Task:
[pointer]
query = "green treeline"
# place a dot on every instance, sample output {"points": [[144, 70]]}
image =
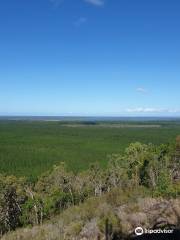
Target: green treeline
{"points": [[154, 168]]}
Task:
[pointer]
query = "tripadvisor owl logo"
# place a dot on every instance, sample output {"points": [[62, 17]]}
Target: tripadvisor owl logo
{"points": [[139, 231]]}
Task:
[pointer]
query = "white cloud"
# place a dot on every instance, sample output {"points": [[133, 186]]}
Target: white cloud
{"points": [[99, 3], [141, 90], [174, 110], [95, 2], [152, 110], [142, 110], [80, 21]]}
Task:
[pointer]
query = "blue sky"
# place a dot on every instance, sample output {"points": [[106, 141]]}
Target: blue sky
{"points": [[90, 57]]}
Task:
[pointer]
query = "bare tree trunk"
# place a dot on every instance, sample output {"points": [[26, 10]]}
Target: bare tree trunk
{"points": [[35, 206]]}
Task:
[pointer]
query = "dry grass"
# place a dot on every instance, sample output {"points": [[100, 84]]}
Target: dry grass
{"points": [[87, 220]]}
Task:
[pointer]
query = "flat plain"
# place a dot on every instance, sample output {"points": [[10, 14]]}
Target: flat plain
{"points": [[29, 148]]}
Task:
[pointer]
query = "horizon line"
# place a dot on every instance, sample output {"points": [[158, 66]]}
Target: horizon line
{"points": [[97, 116]]}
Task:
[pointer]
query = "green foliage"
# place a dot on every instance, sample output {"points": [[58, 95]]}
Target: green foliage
{"points": [[57, 202], [32, 211], [31, 148], [143, 170], [12, 195], [112, 221]]}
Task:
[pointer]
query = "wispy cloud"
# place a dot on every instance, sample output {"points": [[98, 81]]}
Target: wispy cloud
{"points": [[141, 90], [95, 2], [80, 21], [152, 110], [174, 110], [143, 110], [56, 3]]}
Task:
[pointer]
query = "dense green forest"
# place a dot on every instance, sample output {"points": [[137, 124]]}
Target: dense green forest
{"points": [[29, 148]]}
